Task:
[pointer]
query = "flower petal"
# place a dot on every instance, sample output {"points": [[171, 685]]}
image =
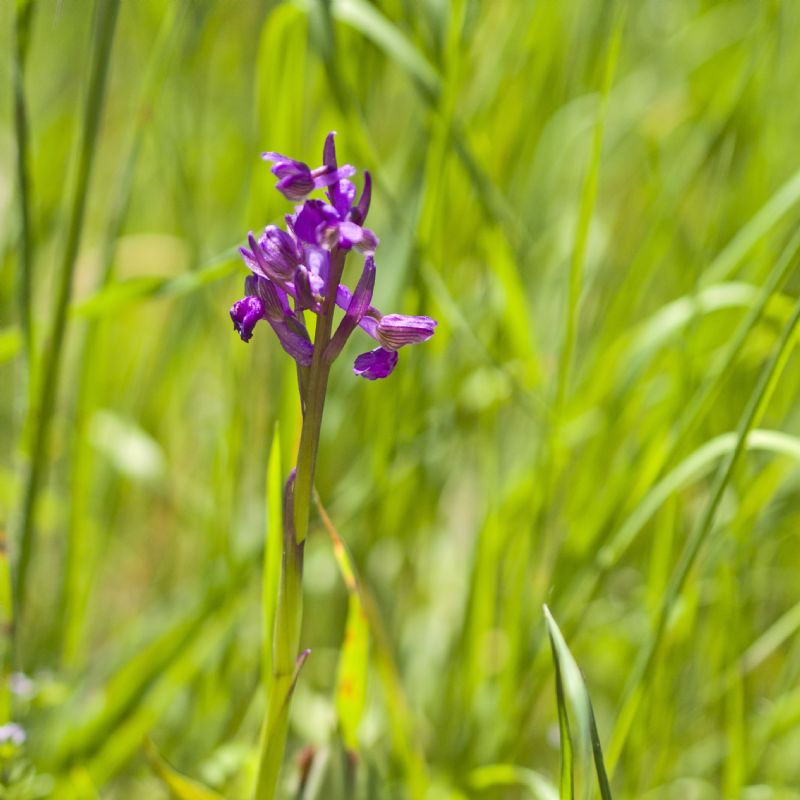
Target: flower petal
{"points": [[304, 291], [281, 253], [276, 304], [368, 242], [245, 313], [396, 330], [295, 179], [341, 194], [375, 364], [329, 151], [294, 339], [359, 213], [356, 308], [350, 235], [313, 217]]}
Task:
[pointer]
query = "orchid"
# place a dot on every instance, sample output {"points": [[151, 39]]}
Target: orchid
{"points": [[294, 271], [296, 263]]}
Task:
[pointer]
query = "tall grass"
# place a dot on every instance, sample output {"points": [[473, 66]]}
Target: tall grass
{"points": [[602, 216]]}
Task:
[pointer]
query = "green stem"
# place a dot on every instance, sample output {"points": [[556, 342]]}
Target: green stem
{"points": [[286, 659], [315, 403], [285, 663], [22, 28], [106, 12]]}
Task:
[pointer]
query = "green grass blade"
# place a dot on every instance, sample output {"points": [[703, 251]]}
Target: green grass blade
{"points": [[753, 411], [351, 681], [494, 775], [367, 19], [23, 11], [272, 556], [751, 234], [48, 381], [181, 787], [586, 211], [571, 686]]}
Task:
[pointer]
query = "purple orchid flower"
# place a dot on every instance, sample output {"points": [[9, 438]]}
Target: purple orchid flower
{"points": [[337, 223], [264, 300], [297, 264], [296, 180]]}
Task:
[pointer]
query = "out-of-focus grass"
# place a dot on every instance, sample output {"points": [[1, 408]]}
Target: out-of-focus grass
{"points": [[469, 488]]}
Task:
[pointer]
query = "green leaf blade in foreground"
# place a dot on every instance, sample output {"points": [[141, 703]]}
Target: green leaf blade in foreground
{"points": [[571, 687]]}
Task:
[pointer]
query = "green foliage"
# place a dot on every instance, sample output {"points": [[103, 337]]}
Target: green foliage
{"points": [[600, 204]]}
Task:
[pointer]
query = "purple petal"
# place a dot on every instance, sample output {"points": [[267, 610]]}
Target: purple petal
{"points": [[296, 187], [329, 151], [375, 364], [245, 313], [368, 323], [318, 261], [295, 179], [276, 304], [341, 194], [368, 242], [350, 235], [356, 308], [396, 330], [313, 217], [323, 177], [304, 292], [359, 213], [281, 253], [294, 339]]}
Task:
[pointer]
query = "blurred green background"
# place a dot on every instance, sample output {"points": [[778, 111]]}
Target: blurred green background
{"points": [[597, 201]]}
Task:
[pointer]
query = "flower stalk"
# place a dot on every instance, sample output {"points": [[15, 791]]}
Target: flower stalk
{"points": [[315, 403], [295, 271]]}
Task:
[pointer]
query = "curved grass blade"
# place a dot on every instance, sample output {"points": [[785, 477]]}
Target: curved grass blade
{"points": [[365, 18], [351, 682], [753, 411], [494, 775], [570, 684], [181, 787], [765, 219]]}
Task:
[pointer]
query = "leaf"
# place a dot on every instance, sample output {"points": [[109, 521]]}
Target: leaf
{"points": [[351, 682], [512, 775], [365, 18], [272, 554], [181, 787], [765, 219], [571, 687]]}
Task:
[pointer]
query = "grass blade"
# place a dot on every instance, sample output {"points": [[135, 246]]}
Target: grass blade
{"points": [[570, 684], [22, 30], [105, 23], [588, 196], [272, 556], [753, 411], [181, 787], [493, 775]]}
